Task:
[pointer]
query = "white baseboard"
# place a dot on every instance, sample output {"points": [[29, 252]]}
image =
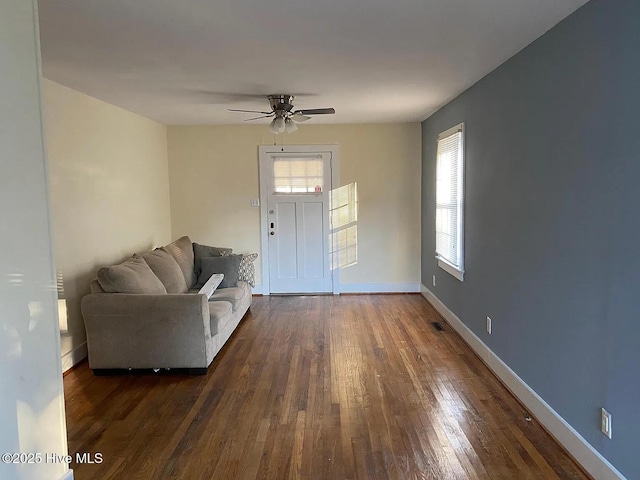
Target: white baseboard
{"points": [[587, 456], [364, 288], [68, 475], [379, 288], [74, 357]]}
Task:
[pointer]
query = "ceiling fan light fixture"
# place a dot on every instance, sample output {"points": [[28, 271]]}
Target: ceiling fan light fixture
{"points": [[290, 125], [277, 125]]}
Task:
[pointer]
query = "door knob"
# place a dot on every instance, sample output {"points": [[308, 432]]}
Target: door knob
{"points": [[272, 233]]}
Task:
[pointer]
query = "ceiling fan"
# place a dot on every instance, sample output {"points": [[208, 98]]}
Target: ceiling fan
{"points": [[285, 117]]}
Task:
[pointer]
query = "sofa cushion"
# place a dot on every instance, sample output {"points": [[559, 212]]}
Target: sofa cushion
{"points": [[232, 295], [227, 265], [219, 315], [182, 252], [132, 276], [201, 251], [166, 269]]}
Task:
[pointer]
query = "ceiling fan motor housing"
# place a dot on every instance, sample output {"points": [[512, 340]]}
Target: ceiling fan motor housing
{"points": [[281, 103]]}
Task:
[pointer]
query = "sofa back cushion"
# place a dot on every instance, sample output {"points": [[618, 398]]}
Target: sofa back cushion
{"points": [[166, 269], [132, 276], [202, 251], [227, 265], [182, 252]]}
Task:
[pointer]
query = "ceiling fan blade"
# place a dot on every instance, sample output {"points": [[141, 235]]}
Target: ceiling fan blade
{"points": [[257, 118], [248, 111], [298, 117], [316, 111]]}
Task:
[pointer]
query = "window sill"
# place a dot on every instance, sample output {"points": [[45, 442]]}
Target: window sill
{"points": [[450, 269]]}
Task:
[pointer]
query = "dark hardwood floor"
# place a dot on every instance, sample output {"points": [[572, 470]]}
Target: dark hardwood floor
{"points": [[320, 387]]}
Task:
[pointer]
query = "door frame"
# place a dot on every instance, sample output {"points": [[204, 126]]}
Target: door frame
{"points": [[264, 151]]}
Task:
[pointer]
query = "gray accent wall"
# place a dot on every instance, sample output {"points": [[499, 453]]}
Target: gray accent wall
{"points": [[552, 227]]}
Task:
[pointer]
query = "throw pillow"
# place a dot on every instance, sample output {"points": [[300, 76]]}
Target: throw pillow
{"points": [[247, 270], [227, 265], [132, 276], [202, 251], [182, 252], [166, 269]]}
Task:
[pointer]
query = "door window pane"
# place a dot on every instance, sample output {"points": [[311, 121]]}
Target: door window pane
{"points": [[297, 175]]}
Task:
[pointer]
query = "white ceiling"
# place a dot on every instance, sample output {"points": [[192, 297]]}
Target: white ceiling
{"points": [[187, 61]]}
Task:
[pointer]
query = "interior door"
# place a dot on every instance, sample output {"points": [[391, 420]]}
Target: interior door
{"points": [[298, 189]]}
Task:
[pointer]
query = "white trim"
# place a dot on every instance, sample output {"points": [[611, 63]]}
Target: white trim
{"points": [[263, 151], [361, 288], [451, 131], [74, 357], [450, 269], [380, 288], [587, 456], [68, 475]]}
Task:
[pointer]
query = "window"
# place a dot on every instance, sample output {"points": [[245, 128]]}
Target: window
{"points": [[298, 175], [344, 226], [450, 201]]}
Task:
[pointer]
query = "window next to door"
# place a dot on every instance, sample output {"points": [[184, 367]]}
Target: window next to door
{"points": [[344, 226], [450, 201]]}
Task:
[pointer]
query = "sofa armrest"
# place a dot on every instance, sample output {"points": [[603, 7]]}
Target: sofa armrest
{"points": [[147, 331]]}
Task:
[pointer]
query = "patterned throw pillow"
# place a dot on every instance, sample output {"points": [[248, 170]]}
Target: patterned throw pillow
{"points": [[247, 270]]}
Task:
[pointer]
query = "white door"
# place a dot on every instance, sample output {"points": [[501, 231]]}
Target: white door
{"points": [[297, 221]]}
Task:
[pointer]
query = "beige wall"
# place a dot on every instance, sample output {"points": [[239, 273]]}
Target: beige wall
{"points": [[109, 191], [214, 174]]}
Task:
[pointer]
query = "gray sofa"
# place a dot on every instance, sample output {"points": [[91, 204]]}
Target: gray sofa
{"points": [[161, 322]]}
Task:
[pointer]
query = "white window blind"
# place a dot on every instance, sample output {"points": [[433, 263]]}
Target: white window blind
{"points": [[298, 175], [450, 200]]}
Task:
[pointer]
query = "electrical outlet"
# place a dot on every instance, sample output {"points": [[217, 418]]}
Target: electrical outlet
{"points": [[605, 422], [434, 280], [255, 202], [489, 325]]}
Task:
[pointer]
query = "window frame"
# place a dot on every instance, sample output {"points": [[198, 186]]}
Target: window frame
{"points": [[457, 271]]}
